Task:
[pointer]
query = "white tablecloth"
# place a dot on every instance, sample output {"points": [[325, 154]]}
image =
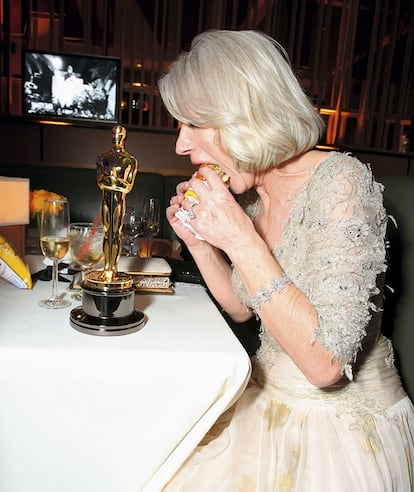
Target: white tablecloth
{"points": [[83, 413]]}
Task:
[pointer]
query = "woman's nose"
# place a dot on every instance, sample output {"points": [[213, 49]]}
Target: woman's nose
{"points": [[183, 145]]}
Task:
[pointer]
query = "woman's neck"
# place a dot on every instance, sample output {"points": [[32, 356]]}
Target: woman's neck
{"points": [[278, 189], [285, 177]]}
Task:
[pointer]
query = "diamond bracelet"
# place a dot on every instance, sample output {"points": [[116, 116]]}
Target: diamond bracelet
{"points": [[264, 295]]}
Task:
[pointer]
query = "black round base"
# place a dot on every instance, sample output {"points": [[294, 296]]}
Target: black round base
{"points": [[106, 327]]}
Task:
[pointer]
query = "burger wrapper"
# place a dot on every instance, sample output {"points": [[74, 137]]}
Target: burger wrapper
{"points": [[190, 195], [182, 214]]}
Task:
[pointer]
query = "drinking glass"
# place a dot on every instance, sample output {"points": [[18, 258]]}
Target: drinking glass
{"points": [[150, 222], [131, 229], [85, 247], [54, 243]]}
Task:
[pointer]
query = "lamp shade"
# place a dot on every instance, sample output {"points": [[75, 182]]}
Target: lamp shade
{"points": [[14, 201]]}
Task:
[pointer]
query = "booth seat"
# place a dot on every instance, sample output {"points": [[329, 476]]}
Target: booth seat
{"points": [[80, 187], [398, 316]]}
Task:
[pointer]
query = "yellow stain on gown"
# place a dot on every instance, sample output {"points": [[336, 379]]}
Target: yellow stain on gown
{"points": [[276, 414]]}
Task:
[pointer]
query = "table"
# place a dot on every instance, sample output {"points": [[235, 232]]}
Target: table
{"points": [[83, 413]]}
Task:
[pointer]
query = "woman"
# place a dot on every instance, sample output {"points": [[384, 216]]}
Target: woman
{"points": [[325, 410]]}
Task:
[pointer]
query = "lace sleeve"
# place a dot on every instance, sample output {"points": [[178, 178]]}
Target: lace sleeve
{"points": [[348, 252]]}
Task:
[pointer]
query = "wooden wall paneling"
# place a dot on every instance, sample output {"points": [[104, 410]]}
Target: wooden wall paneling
{"points": [[321, 51], [388, 44], [404, 105], [316, 54], [324, 68], [292, 32], [16, 236], [367, 88], [377, 90]]}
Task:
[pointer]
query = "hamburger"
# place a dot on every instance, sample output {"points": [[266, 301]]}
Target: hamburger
{"points": [[192, 196]]}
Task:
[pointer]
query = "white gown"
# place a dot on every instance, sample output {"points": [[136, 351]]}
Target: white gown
{"points": [[284, 434]]}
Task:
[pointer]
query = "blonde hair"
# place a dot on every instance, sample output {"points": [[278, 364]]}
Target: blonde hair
{"points": [[241, 84]]}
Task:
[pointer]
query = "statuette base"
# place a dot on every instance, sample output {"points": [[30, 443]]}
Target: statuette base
{"points": [[107, 312], [93, 326]]}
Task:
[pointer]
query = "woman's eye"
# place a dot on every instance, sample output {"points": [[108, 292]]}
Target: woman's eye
{"points": [[180, 124]]}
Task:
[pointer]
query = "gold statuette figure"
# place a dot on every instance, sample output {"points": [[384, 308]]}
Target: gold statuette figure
{"points": [[116, 171], [108, 295]]}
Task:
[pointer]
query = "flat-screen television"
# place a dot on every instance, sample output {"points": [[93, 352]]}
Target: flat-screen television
{"points": [[71, 87]]}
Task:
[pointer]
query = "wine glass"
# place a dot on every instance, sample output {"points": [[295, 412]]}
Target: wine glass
{"points": [[150, 222], [54, 243], [131, 229], [85, 247]]}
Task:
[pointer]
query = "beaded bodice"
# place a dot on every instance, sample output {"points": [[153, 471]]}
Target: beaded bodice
{"points": [[333, 249]]}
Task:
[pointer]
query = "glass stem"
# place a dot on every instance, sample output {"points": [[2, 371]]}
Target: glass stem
{"points": [[149, 247], [55, 274]]}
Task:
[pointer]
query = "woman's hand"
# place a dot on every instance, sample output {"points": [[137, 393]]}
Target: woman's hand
{"points": [[219, 219], [179, 228], [212, 264]]}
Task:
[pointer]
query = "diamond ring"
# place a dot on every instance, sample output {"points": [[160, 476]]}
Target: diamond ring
{"points": [[191, 213]]}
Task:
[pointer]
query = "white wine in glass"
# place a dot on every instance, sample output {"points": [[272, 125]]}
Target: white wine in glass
{"points": [[150, 222], [54, 243]]}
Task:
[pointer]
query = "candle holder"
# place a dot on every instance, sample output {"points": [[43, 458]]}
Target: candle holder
{"points": [[108, 295]]}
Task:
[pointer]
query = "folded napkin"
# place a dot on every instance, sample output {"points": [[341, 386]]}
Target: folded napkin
{"points": [[46, 273], [144, 266]]}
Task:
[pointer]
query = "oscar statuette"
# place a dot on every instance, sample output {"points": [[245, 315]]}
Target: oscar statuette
{"points": [[108, 295]]}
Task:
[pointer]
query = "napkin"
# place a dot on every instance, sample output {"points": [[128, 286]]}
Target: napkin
{"points": [[46, 273], [144, 266]]}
